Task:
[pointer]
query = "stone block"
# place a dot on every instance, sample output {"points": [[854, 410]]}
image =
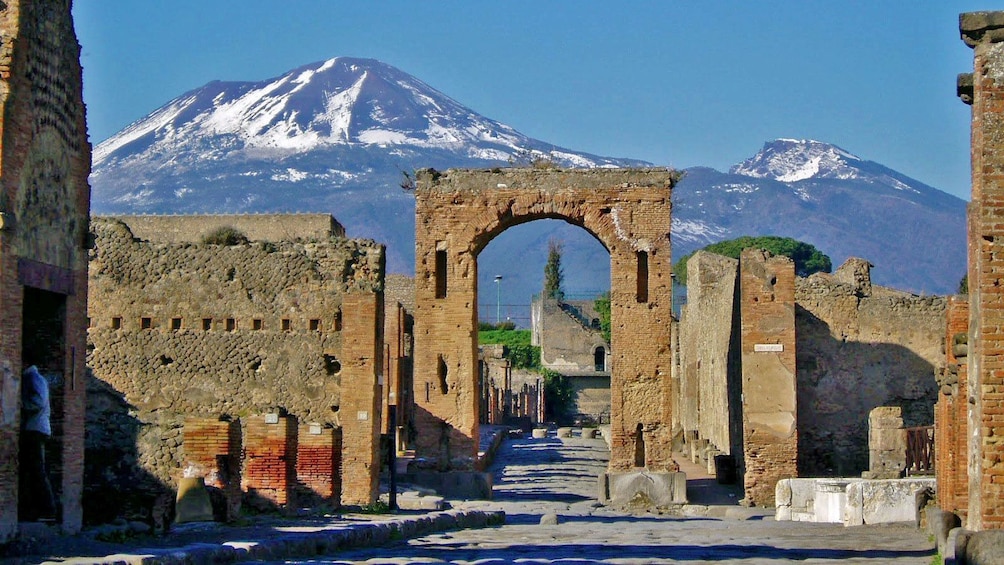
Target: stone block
{"points": [[539, 433], [643, 489], [468, 485], [939, 524], [831, 500], [984, 548], [794, 500], [880, 502], [193, 504], [564, 432]]}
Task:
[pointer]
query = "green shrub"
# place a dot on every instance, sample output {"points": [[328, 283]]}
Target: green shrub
{"points": [[225, 235]]}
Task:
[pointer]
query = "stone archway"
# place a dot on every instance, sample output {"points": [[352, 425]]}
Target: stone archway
{"points": [[459, 212]]}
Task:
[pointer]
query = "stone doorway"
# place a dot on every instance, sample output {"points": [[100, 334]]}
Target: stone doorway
{"points": [[458, 213]]}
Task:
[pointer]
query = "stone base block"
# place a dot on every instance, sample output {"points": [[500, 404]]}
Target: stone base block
{"points": [[880, 502], [794, 500], [643, 489], [415, 500], [463, 485]]}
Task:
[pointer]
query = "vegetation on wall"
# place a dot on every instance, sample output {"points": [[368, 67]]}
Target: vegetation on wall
{"points": [[602, 306], [807, 258], [225, 235], [558, 394]]}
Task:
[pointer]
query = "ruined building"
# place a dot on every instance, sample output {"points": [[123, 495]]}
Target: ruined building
{"points": [[259, 364], [781, 372], [44, 163]]}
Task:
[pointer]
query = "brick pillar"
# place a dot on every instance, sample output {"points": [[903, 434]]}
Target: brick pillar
{"points": [[950, 413], [212, 449], [394, 349], [362, 348], [770, 439], [269, 459], [318, 465], [984, 32]]}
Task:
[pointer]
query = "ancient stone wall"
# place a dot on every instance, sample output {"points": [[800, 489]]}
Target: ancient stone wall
{"points": [[860, 347], [769, 408], [568, 342], [457, 215], [44, 201], [983, 32], [706, 330], [257, 227], [183, 330], [950, 413]]}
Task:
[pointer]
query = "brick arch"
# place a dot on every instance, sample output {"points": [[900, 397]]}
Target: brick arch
{"points": [[459, 212]]}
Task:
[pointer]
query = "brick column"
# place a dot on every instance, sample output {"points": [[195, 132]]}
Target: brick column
{"points": [[770, 438], [984, 32], [363, 352], [318, 465], [950, 413], [269, 459], [212, 447]]}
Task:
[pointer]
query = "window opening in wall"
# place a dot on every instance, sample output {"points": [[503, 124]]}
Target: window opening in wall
{"points": [[441, 273], [117, 323], [88, 321], [257, 324], [331, 364], [287, 324], [231, 324], [428, 392], [639, 447], [643, 276], [145, 323], [338, 321], [444, 387], [600, 359], [315, 325], [207, 324], [175, 324]]}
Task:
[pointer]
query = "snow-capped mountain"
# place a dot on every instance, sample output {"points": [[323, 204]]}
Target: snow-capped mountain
{"points": [[336, 136], [846, 206], [333, 136]]}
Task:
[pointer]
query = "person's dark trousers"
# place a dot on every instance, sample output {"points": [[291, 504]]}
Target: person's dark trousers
{"points": [[37, 501]]}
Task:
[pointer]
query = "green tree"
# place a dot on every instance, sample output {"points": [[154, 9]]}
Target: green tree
{"points": [[553, 275], [964, 284], [602, 306], [807, 258]]}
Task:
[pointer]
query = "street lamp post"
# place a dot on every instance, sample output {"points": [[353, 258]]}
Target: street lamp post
{"points": [[498, 299]]}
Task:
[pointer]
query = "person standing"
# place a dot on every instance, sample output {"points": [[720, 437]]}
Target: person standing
{"points": [[35, 432]]}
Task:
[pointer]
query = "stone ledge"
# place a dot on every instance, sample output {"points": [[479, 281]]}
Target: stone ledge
{"points": [[324, 541]]}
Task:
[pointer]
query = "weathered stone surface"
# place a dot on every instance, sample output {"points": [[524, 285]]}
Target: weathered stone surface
{"points": [[884, 501], [886, 442], [795, 499], [643, 489], [984, 548], [940, 523]]}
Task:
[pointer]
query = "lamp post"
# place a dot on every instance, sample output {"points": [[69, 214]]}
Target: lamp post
{"points": [[498, 299]]}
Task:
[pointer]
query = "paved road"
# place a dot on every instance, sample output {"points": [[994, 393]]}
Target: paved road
{"points": [[535, 478]]}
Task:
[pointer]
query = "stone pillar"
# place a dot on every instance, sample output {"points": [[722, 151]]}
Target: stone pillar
{"points": [[984, 32], [770, 438], [886, 443], [362, 348]]}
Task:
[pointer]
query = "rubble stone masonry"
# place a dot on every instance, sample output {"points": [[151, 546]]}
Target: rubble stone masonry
{"points": [[44, 201], [191, 330], [459, 212]]}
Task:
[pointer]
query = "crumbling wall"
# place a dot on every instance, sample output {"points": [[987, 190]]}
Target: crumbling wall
{"points": [[568, 341], [950, 413], [257, 227], [860, 347], [192, 330], [706, 329]]}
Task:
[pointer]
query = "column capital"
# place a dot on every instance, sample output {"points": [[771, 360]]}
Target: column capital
{"points": [[978, 27]]}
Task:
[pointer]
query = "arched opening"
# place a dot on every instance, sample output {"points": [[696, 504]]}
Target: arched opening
{"points": [[600, 359], [537, 361]]}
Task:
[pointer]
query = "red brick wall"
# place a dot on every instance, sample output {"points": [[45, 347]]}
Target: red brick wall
{"points": [[363, 353], [270, 455], [950, 418], [318, 465], [212, 449], [986, 272], [44, 163], [770, 438]]}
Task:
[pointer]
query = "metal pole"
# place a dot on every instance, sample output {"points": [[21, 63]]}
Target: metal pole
{"points": [[498, 299]]}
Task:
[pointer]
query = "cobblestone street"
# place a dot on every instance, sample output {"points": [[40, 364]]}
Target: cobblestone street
{"points": [[557, 479]]}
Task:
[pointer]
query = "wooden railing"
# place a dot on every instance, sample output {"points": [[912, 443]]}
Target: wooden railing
{"points": [[920, 450]]}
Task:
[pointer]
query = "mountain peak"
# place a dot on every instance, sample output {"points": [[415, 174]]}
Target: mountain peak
{"points": [[791, 160]]}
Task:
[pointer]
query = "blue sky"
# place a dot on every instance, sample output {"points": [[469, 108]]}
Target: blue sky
{"points": [[674, 83]]}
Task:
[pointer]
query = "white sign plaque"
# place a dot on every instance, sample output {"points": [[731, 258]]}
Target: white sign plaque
{"points": [[362, 415], [768, 347]]}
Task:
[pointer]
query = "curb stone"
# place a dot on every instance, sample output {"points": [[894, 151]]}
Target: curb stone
{"points": [[301, 544]]}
